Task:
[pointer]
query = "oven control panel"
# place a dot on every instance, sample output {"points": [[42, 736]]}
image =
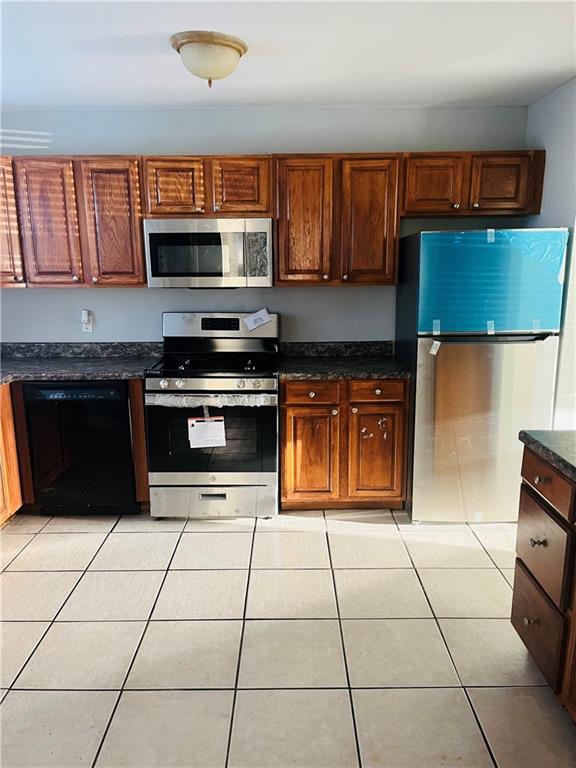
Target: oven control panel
{"points": [[213, 384]]}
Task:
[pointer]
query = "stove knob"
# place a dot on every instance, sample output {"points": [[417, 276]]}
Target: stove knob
{"points": [[163, 383], [257, 384], [240, 383], [180, 383]]}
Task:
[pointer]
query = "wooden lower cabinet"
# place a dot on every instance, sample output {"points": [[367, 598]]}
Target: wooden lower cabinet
{"points": [[544, 600], [343, 452], [10, 494]]}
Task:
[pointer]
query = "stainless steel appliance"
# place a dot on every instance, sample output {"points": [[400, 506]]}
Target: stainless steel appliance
{"points": [[208, 253], [217, 375], [478, 318]]}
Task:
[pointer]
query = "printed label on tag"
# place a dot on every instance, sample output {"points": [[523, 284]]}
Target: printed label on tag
{"points": [[490, 327], [490, 235], [435, 347], [435, 327], [206, 433], [256, 319]]}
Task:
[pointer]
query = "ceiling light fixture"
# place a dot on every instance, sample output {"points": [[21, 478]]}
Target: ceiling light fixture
{"points": [[209, 55]]}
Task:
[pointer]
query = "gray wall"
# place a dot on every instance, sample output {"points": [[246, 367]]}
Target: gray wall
{"points": [[552, 125], [308, 313]]}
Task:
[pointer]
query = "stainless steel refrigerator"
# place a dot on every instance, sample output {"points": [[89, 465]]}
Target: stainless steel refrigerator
{"points": [[477, 321]]}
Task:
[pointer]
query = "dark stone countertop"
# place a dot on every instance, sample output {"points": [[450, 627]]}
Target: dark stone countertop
{"points": [[72, 369], [557, 447], [353, 367]]}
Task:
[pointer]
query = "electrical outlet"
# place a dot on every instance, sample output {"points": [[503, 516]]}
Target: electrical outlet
{"points": [[87, 321]]}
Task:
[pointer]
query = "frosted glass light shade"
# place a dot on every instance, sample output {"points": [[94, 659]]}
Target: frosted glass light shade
{"points": [[209, 55]]}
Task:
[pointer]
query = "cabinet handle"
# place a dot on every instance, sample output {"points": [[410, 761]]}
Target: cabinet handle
{"points": [[326, 277], [538, 542], [354, 410], [456, 205], [335, 412], [377, 391], [75, 278], [538, 479], [530, 622], [18, 279], [312, 394], [344, 277], [95, 279], [475, 205]]}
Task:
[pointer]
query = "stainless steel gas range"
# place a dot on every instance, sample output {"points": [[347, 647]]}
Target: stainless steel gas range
{"points": [[212, 418]]}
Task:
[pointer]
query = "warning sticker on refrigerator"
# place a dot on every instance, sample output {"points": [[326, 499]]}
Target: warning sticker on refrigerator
{"points": [[206, 432]]}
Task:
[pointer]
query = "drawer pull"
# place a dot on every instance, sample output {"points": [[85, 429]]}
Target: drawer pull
{"points": [[530, 622], [377, 391], [354, 410], [538, 479], [212, 496], [312, 394], [538, 543], [334, 412]]}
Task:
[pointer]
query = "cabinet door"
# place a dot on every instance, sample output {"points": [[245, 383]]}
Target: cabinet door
{"points": [[10, 494], [436, 183], [174, 185], [241, 184], [11, 272], [310, 453], [111, 219], [376, 451], [369, 216], [305, 219], [48, 220], [500, 182]]}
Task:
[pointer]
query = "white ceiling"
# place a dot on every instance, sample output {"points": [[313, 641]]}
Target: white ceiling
{"points": [[74, 55]]}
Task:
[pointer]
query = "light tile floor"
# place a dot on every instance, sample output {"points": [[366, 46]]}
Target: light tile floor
{"points": [[313, 640]]}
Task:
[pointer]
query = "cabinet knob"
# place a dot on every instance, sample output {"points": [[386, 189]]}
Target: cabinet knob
{"points": [[529, 622], [377, 391], [354, 410], [335, 412], [475, 205], [456, 205], [75, 278], [344, 277], [18, 279], [198, 209], [538, 479], [312, 394], [95, 279], [538, 542], [216, 207], [326, 277]]}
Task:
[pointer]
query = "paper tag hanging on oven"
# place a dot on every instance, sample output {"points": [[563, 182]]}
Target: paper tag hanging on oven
{"points": [[256, 319], [206, 432]]}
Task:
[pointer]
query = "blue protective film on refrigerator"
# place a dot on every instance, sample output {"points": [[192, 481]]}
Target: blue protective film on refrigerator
{"points": [[491, 281]]}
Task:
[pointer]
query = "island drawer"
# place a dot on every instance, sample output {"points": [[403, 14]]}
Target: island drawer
{"points": [[543, 545], [548, 483], [311, 392], [538, 623]]}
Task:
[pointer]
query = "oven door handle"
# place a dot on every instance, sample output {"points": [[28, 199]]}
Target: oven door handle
{"points": [[251, 400]]}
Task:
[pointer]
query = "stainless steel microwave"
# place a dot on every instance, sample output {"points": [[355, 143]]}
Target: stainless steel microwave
{"points": [[208, 253]]}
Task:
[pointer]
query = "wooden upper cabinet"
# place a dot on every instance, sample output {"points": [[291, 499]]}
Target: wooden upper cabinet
{"points": [[241, 185], [376, 451], [174, 185], [305, 190], [311, 453], [111, 220], [48, 215], [369, 220], [500, 182], [435, 183], [11, 270]]}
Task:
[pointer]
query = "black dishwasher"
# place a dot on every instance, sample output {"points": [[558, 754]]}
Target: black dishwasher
{"points": [[81, 447]]}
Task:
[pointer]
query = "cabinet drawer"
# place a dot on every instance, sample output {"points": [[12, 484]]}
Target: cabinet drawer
{"points": [[543, 546], [538, 623], [371, 391], [311, 392], [548, 483]]}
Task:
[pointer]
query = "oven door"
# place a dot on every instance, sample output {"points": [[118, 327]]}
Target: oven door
{"points": [[195, 253], [250, 453]]}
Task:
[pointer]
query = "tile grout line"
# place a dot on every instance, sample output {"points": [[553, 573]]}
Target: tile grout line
{"points": [[138, 645], [350, 697], [488, 553], [462, 687], [53, 621], [237, 677], [24, 533]]}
